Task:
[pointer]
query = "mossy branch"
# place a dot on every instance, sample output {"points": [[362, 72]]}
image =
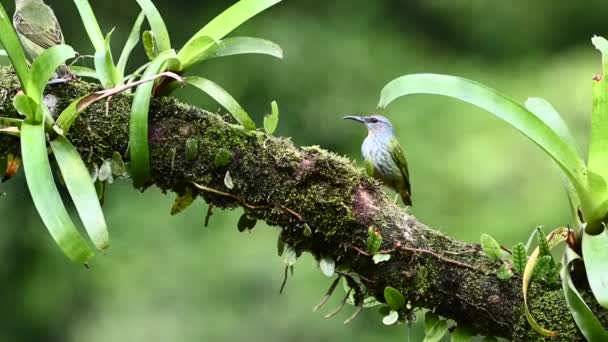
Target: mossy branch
{"points": [[323, 203]]}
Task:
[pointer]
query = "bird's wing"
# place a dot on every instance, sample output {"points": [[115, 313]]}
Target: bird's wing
{"points": [[43, 36], [399, 158]]}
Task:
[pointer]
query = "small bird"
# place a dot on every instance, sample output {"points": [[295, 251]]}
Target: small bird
{"points": [[38, 30], [384, 157]]}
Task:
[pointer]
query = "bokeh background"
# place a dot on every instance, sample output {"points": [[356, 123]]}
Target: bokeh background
{"points": [[170, 279]]}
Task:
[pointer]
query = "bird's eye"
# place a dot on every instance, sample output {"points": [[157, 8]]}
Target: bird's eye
{"points": [[373, 120]]}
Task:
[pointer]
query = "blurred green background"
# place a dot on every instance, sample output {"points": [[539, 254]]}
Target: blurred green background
{"points": [[170, 279]]}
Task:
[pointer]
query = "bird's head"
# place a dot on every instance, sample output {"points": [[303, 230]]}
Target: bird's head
{"points": [[375, 124]]}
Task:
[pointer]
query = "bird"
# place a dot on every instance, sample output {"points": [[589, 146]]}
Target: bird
{"points": [[384, 157], [38, 29]]}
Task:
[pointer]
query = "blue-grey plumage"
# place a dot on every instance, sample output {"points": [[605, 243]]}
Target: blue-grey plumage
{"points": [[384, 157]]}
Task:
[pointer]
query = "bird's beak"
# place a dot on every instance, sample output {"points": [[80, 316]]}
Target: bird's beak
{"points": [[355, 118]]}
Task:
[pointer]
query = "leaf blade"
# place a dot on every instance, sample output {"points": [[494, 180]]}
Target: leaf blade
{"points": [[161, 35], [46, 197], [44, 67], [595, 255], [12, 46], [82, 190], [90, 24], [131, 43]]}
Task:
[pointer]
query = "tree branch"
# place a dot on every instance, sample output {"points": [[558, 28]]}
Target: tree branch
{"points": [[323, 203]]}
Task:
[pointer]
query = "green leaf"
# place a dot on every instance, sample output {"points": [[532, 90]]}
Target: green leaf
{"points": [[246, 223], [69, 115], [105, 172], [90, 24], [222, 158], [585, 319], [595, 254], [118, 165], [437, 332], [198, 50], [130, 45], [489, 339], [598, 142], [182, 202], [191, 149], [231, 18], [504, 273], [149, 44], [271, 121], [543, 245], [491, 247], [462, 334], [378, 258], [10, 41], [504, 108], [161, 35], [327, 266], [247, 45], [138, 129], [228, 181], [430, 319], [391, 318], [104, 66], [81, 71], [556, 237], [82, 190], [519, 257], [393, 298], [222, 97], [46, 196], [26, 106], [544, 267], [374, 241], [549, 115], [44, 67]]}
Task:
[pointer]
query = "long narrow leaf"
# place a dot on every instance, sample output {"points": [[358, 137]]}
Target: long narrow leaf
{"points": [[104, 65], [222, 97], [598, 142], [81, 71], [232, 18], [161, 35], [80, 186], [196, 51], [549, 115], [90, 24], [10, 41], [247, 45], [44, 67], [502, 107], [555, 237], [138, 129], [45, 195], [595, 253], [585, 319], [130, 44]]}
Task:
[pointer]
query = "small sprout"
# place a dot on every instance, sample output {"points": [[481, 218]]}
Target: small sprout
{"points": [[12, 166], [543, 245], [490, 247], [504, 272], [280, 246], [149, 43], [307, 230], [182, 202], [394, 299], [223, 157], [339, 308], [374, 240], [105, 172], [118, 165], [519, 258], [209, 214], [378, 258], [191, 149], [246, 223], [228, 181], [327, 266], [391, 318], [271, 121]]}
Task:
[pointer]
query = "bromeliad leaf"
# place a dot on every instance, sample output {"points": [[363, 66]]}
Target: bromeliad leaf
{"points": [[585, 319], [197, 51], [504, 108], [547, 113], [598, 142], [10, 42], [161, 35], [245, 45], [90, 24], [80, 186], [222, 97], [46, 197], [104, 65], [138, 130], [595, 254], [81, 71], [149, 45], [272, 121], [229, 20], [44, 67], [130, 45]]}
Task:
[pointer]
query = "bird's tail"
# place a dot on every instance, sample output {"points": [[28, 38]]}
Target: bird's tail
{"points": [[406, 197]]}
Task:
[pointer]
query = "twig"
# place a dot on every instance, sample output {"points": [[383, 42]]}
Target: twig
{"points": [[235, 197], [440, 257], [292, 212]]}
